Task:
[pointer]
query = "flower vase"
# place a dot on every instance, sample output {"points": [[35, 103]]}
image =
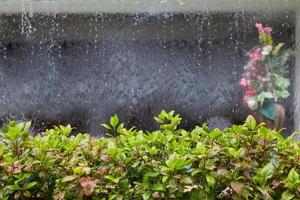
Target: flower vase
{"points": [[275, 123]]}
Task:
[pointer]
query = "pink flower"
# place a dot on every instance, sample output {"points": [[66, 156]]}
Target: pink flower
{"points": [[249, 66], [257, 70], [264, 79], [88, 185], [255, 55], [263, 29], [260, 28], [243, 83], [268, 30], [250, 92]]}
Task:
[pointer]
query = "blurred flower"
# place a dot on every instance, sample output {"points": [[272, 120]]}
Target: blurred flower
{"points": [[250, 91], [262, 29], [249, 66], [252, 103], [255, 55], [264, 79], [248, 74], [259, 27], [268, 30], [263, 64], [259, 69], [266, 50], [243, 83]]}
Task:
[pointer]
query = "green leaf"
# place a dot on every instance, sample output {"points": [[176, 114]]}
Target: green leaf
{"points": [[263, 96], [176, 162], [292, 181], [263, 37], [264, 174], [114, 121], [232, 152], [186, 180], [281, 82], [165, 178], [277, 48], [158, 120], [77, 170], [162, 114], [269, 40], [266, 192], [120, 128], [113, 196], [200, 149], [267, 171], [106, 126], [69, 178], [237, 153], [152, 151], [1, 148], [281, 94], [152, 174], [287, 195], [113, 179], [211, 181], [146, 195], [27, 125], [12, 188], [13, 133], [159, 187], [65, 130], [250, 122], [30, 185], [121, 156]]}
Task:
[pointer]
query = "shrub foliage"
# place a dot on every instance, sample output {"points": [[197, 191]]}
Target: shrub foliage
{"points": [[245, 161]]}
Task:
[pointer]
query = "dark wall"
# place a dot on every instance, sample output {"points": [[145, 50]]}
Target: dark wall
{"points": [[81, 69]]}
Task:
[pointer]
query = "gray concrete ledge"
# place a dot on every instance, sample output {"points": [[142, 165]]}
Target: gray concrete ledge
{"points": [[150, 6]]}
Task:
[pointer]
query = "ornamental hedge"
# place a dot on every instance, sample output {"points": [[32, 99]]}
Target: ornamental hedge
{"points": [[245, 161]]}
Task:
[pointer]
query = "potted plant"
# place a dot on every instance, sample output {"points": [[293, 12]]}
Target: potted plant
{"points": [[264, 80]]}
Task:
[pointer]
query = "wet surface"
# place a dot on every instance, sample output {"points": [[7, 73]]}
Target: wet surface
{"points": [[81, 69]]}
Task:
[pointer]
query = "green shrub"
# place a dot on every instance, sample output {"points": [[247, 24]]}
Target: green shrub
{"points": [[245, 161]]}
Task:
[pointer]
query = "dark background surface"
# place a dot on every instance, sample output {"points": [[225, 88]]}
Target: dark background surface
{"points": [[81, 69]]}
